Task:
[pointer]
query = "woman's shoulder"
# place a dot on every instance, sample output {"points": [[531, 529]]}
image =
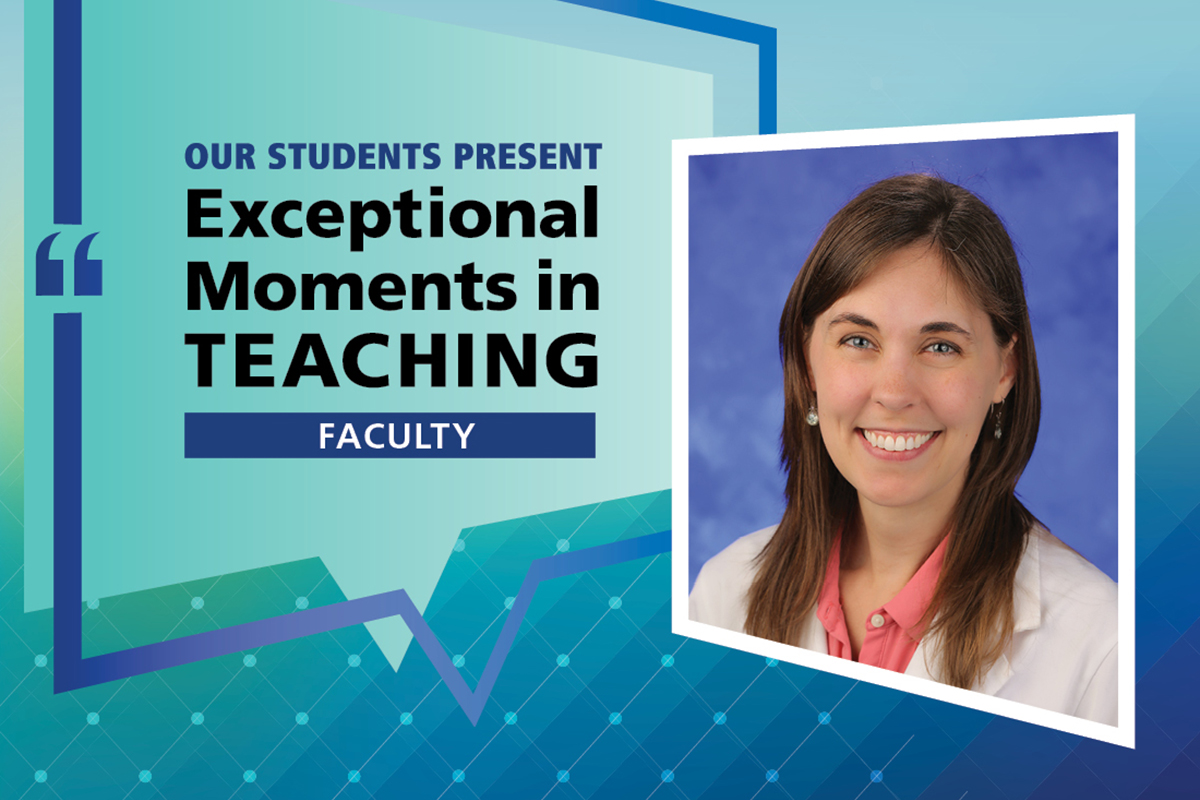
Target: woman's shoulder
{"points": [[1065, 599], [742, 552], [719, 595], [1064, 648], [1066, 577]]}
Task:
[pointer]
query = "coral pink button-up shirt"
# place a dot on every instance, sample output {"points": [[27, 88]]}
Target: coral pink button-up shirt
{"points": [[893, 631]]}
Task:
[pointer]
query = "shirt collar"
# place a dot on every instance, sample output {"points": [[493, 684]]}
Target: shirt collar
{"points": [[1027, 615], [1027, 584], [829, 602], [910, 604], [906, 608]]}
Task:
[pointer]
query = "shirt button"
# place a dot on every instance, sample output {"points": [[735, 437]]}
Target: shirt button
{"points": [[878, 620]]}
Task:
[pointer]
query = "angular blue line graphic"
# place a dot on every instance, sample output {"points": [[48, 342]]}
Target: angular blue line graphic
{"points": [[68, 112], [68, 498], [75, 672], [716, 25], [185, 650]]}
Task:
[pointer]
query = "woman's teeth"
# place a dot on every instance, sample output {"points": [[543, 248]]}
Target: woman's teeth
{"points": [[893, 443]]}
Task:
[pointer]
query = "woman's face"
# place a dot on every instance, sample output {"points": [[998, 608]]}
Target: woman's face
{"points": [[905, 368]]}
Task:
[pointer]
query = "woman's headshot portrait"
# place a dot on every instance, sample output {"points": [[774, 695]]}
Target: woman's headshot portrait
{"points": [[903, 407]]}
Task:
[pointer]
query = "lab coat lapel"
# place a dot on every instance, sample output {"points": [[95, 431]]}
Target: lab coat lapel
{"points": [[923, 661], [1027, 615], [918, 665], [812, 635]]}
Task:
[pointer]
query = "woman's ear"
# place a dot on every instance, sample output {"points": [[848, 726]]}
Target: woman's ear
{"points": [[1008, 374]]}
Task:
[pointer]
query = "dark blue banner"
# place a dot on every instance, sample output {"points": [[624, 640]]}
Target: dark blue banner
{"points": [[457, 435]]}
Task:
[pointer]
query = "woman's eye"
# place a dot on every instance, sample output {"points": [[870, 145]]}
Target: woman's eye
{"points": [[942, 348], [859, 342]]}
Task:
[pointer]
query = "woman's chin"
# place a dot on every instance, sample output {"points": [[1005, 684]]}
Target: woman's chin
{"points": [[899, 494]]}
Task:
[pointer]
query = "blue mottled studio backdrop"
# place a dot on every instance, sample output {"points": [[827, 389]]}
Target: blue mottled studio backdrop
{"points": [[755, 216]]}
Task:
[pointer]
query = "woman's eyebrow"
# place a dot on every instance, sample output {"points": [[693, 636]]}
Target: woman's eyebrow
{"points": [[853, 319], [945, 327]]}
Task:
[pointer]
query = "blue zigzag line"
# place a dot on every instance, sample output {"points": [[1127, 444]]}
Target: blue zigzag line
{"points": [[543, 569]]}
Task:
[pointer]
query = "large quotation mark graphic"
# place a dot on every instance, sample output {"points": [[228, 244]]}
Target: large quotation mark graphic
{"points": [[88, 271]]}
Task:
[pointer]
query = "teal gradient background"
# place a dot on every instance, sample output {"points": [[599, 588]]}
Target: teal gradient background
{"points": [[863, 65]]}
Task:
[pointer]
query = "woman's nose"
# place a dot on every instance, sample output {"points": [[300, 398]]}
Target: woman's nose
{"points": [[895, 384]]}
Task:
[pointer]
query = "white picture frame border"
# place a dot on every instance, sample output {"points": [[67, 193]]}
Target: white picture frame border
{"points": [[1123, 126]]}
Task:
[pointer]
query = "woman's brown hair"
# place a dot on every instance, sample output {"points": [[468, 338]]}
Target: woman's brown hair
{"points": [[971, 613]]}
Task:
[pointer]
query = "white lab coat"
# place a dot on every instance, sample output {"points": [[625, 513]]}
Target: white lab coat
{"points": [[1063, 655]]}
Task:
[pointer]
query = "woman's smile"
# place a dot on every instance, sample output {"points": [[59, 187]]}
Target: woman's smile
{"points": [[892, 445]]}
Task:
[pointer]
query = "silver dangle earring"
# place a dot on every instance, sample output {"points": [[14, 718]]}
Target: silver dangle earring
{"points": [[998, 408], [811, 417]]}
